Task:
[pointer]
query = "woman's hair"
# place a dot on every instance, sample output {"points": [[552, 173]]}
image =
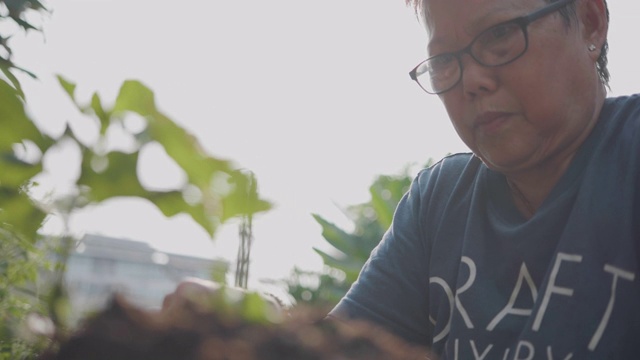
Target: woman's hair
{"points": [[568, 14]]}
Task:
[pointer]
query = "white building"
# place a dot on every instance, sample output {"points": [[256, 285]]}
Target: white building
{"points": [[100, 266]]}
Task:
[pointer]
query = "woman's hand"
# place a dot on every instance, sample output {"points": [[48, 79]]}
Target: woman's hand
{"points": [[194, 296]]}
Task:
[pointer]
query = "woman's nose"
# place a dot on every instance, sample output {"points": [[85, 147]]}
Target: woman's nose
{"points": [[477, 79]]}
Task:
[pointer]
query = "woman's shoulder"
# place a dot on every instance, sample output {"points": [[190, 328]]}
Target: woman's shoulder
{"points": [[625, 106], [452, 165], [451, 171], [620, 119]]}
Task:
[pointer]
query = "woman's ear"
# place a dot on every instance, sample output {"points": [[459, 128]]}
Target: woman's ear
{"points": [[594, 16]]}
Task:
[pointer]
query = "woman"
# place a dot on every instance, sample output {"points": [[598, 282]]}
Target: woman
{"points": [[527, 247]]}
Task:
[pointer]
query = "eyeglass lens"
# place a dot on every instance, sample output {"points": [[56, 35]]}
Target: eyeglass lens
{"points": [[495, 46]]}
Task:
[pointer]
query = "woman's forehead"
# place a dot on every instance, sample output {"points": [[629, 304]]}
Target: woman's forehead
{"points": [[447, 20]]}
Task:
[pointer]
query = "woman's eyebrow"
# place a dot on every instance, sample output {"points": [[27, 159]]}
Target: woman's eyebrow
{"points": [[500, 13]]}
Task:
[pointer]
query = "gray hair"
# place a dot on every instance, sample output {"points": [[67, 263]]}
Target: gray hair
{"points": [[568, 14]]}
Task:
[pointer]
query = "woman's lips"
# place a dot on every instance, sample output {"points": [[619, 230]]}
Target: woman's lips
{"points": [[490, 122]]}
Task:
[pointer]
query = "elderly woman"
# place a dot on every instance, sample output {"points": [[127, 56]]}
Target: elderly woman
{"points": [[527, 247]]}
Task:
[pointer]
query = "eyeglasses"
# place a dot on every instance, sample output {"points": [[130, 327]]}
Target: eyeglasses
{"points": [[498, 45]]}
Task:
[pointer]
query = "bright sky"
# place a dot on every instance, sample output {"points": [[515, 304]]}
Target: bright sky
{"points": [[313, 96]]}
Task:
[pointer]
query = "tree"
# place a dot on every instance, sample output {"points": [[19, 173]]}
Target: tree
{"points": [[351, 248], [214, 190], [20, 217]]}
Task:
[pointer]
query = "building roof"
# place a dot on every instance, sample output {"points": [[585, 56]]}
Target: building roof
{"points": [[99, 246]]}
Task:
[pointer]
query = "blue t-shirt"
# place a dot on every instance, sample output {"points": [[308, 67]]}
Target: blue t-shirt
{"points": [[462, 271]]}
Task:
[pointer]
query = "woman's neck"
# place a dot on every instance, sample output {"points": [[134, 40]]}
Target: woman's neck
{"points": [[529, 189]]}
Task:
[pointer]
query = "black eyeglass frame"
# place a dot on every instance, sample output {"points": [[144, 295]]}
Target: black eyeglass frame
{"points": [[522, 21]]}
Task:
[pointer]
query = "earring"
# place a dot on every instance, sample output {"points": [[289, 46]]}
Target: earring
{"points": [[592, 47]]}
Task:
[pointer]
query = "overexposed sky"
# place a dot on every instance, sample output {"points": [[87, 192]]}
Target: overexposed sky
{"points": [[313, 96]]}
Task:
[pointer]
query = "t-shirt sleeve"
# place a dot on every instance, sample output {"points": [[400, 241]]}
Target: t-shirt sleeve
{"points": [[391, 289]]}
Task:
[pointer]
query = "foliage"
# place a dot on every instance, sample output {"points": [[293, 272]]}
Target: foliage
{"points": [[222, 191], [246, 240], [321, 290], [352, 248], [20, 217], [213, 192], [16, 12]]}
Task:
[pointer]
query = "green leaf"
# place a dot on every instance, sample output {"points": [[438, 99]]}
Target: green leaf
{"points": [[6, 66], [172, 203], [19, 214], [254, 308], [69, 88], [16, 172], [136, 97], [200, 168], [371, 220], [337, 237], [383, 209], [180, 145], [386, 192], [186, 151], [232, 207], [350, 267], [115, 175], [24, 24], [243, 198], [16, 126], [102, 115]]}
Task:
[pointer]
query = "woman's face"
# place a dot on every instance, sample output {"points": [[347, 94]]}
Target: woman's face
{"points": [[536, 109]]}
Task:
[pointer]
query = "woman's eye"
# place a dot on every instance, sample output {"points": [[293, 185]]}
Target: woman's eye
{"points": [[499, 31], [440, 62]]}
